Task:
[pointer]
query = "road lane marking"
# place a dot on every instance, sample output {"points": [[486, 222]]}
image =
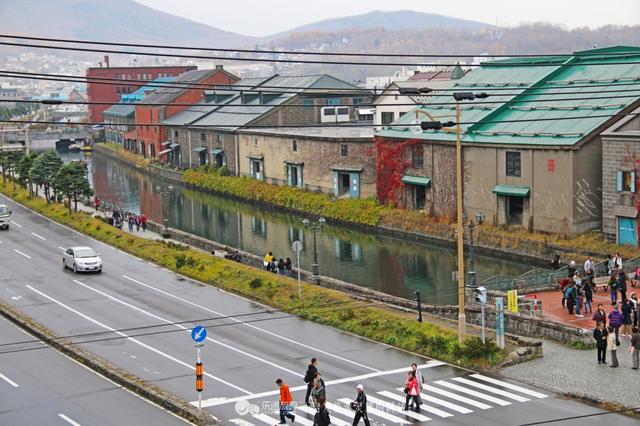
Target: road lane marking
{"points": [[510, 386], [62, 248], [22, 254], [136, 341], [472, 393], [38, 236], [16, 224], [181, 327], [490, 389], [8, 380], [334, 420], [379, 403], [211, 402], [379, 413], [455, 397], [68, 420], [316, 350], [402, 399]]}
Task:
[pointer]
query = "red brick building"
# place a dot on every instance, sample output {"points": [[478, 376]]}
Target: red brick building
{"points": [[111, 92], [152, 137]]}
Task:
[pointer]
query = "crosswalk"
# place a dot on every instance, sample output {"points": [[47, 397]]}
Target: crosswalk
{"points": [[442, 400]]}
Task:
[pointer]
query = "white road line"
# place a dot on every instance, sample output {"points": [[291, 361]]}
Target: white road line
{"points": [[510, 386], [62, 248], [339, 409], [22, 254], [38, 236], [472, 393], [425, 407], [381, 414], [16, 224], [8, 380], [316, 350], [159, 318], [394, 407], [456, 397], [136, 341], [241, 422], [490, 389], [211, 402], [266, 419], [312, 411], [447, 404], [68, 420]]}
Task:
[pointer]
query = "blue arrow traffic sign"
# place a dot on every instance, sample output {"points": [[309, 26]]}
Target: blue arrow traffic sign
{"points": [[199, 333]]}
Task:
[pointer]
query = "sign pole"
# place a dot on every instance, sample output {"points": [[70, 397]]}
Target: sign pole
{"points": [[299, 285], [483, 332], [500, 322], [199, 376]]}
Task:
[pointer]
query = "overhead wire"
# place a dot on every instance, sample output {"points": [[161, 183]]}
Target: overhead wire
{"points": [[297, 52], [582, 416], [316, 62]]}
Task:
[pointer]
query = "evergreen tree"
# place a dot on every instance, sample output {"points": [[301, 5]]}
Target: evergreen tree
{"points": [[44, 170], [24, 169], [71, 181]]}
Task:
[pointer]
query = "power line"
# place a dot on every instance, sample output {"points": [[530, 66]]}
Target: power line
{"points": [[317, 62], [356, 125], [624, 410], [295, 52], [291, 89]]}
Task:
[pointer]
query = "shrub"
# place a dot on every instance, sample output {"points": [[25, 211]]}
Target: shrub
{"points": [[255, 283]]}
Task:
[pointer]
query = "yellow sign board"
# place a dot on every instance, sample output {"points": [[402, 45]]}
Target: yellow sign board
{"points": [[512, 301]]}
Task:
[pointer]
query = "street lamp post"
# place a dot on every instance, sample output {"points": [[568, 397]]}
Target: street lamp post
{"points": [[315, 226], [480, 216], [436, 125], [165, 194]]}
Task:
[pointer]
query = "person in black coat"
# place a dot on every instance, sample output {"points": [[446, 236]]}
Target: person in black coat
{"points": [[600, 336], [309, 376], [622, 284], [360, 407]]}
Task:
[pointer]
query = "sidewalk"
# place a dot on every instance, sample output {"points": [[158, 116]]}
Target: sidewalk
{"points": [[552, 309], [577, 371]]}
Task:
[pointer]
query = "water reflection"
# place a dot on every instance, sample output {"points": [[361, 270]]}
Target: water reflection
{"points": [[388, 264]]}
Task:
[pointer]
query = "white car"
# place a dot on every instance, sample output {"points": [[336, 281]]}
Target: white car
{"points": [[5, 216], [82, 259]]}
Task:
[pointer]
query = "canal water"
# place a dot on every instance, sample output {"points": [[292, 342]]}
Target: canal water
{"points": [[392, 265]]}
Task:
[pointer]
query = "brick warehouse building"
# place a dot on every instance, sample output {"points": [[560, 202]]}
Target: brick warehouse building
{"points": [[152, 137], [531, 157], [111, 92]]}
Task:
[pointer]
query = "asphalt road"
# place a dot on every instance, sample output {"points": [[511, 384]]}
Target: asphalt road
{"points": [[139, 316], [43, 387]]}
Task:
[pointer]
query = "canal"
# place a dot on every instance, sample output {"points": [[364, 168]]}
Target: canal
{"points": [[392, 265]]}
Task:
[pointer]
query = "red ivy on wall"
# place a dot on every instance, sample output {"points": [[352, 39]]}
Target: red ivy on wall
{"points": [[390, 167]]}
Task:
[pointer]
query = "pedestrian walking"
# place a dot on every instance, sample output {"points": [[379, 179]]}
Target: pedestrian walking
{"points": [[600, 316], [617, 260], [286, 402], [588, 267], [360, 407], [615, 321], [613, 288], [268, 258], [137, 222], [143, 222], [588, 298], [570, 296], [287, 266], [419, 379], [622, 284], [318, 393], [97, 203], [130, 221], [322, 417], [600, 336], [571, 269], [634, 348], [579, 293], [626, 318], [412, 392], [635, 308], [280, 266], [309, 376], [612, 346]]}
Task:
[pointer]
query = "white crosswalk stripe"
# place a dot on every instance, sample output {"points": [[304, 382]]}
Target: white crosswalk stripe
{"points": [[272, 420], [456, 397], [472, 393], [447, 404], [334, 408], [509, 386], [425, 407], [491, 389], [397, 408], [241, 422], [334, 419], [381, 414]]}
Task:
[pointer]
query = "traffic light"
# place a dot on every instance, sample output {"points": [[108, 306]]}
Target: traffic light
{"points": [[481, 295]]}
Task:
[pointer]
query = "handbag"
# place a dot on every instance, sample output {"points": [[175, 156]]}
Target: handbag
{"points": [[406, 390]]}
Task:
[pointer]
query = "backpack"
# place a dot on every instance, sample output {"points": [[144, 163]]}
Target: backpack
{"points": [[308, 377], [568, 293]]}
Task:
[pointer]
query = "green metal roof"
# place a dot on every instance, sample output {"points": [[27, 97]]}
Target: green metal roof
{"points": [[527, 83], [416, 180], [217, 151], [512, 190], [200, 149]]}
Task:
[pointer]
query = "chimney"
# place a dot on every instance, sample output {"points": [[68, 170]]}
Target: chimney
{"points": [[106, 60]]}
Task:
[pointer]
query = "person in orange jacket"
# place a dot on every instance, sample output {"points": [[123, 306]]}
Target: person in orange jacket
{"points": [[286, 402]]}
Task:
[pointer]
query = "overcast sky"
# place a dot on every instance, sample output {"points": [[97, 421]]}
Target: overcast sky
{"points": [[264, 17]]}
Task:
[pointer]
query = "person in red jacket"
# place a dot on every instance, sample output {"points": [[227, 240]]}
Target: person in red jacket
{"points": [[412, 391], [286, 402]]}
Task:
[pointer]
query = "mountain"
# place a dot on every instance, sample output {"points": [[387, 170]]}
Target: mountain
{"points": [[391, 21], [112, 20]]}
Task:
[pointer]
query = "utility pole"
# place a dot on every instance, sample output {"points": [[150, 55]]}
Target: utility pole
{"points": [[462, 319]]}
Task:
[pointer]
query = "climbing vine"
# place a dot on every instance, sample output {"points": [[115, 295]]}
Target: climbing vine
{"points": [[391, 164]]}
